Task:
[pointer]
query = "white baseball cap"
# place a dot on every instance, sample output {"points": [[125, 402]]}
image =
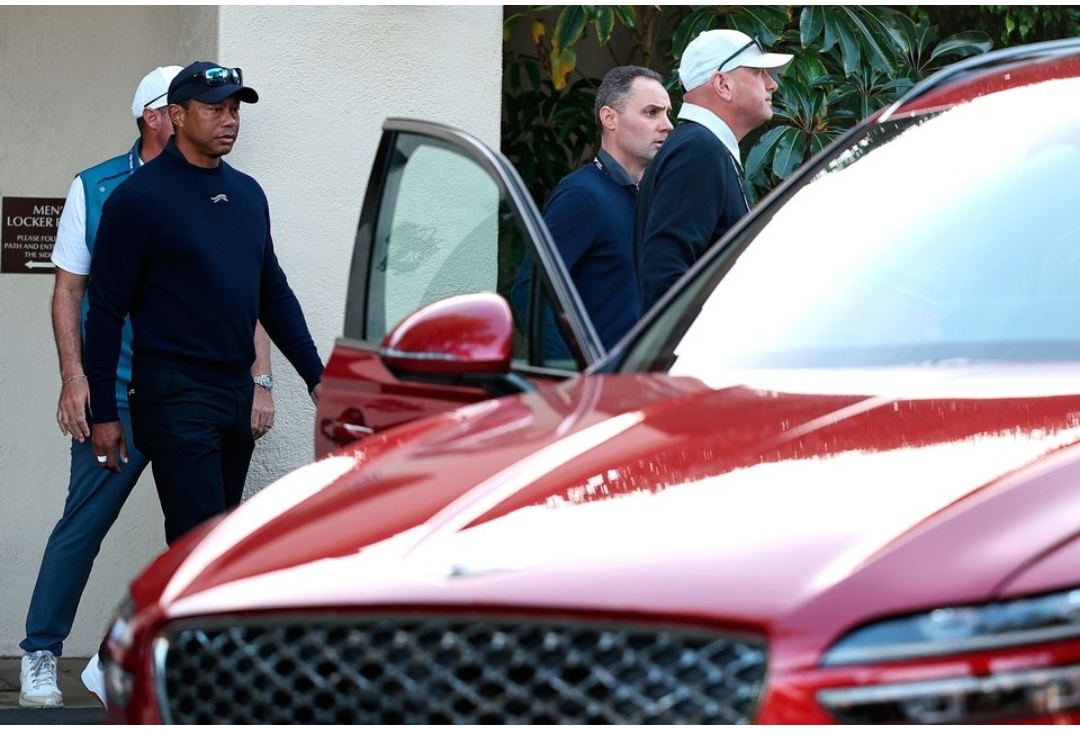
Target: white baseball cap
{"points": [[153, 90], [724, 50]]}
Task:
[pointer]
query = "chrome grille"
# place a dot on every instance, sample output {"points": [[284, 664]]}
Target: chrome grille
{"points": [[421, 670]]}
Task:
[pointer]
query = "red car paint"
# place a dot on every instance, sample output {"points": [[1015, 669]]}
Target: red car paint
{"points": [[804, 509]]}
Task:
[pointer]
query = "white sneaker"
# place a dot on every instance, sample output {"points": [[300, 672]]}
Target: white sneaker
{"points": [[93, 678], [37, 681]]}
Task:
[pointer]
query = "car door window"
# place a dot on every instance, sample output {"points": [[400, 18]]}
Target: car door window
{"points": [[438, 238], [445, 216]]}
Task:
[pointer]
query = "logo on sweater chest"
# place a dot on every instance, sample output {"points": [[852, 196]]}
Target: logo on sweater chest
{"points": [[219, 198]]}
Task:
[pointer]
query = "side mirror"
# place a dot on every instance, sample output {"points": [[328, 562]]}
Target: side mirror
{"points": [[465, 340]]}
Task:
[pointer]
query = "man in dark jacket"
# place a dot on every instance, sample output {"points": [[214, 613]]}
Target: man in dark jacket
{"points": [[693, 190]]}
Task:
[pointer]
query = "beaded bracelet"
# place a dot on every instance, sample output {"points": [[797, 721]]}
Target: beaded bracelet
{"points": [[72, 378]]}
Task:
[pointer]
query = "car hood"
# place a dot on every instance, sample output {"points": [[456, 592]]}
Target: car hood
{"points": [[771, 504]]}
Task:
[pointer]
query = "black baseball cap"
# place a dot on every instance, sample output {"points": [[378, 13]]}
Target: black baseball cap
{"points": [[208, 82]]}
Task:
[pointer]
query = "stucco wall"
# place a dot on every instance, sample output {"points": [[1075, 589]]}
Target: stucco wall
{"points": [[327, 77]]}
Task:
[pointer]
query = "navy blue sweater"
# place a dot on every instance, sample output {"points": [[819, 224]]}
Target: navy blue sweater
{"points": [[591, 218], [690, 195], [187, 251], [590, 214]]}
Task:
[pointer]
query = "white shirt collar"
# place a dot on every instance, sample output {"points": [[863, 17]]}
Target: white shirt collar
{"points": [[694, 113]]}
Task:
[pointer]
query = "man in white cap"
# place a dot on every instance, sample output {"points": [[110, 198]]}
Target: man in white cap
{"points": [[95, 496], [692, 192]]}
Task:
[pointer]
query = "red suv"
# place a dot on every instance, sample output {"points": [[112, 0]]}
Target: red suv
{"points": [[834, 476]]}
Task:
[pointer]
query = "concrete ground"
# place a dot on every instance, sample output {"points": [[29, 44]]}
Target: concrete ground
{"points": [[80, 705]]}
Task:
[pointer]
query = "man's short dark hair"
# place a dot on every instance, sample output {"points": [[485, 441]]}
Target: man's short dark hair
{"points": [[615, 88]]}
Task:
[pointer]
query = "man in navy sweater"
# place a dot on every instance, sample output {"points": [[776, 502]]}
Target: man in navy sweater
{"points": [[590, 212], [693, 191], [184, 246]]}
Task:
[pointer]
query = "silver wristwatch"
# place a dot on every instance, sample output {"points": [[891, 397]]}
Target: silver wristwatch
{"points": [[266, 381]]}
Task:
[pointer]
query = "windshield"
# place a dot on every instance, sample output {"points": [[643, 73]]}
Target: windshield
{"points": [[946, 237]]}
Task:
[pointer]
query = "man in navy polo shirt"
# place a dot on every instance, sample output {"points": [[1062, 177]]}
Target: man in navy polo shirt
{"points": [[590, 212]]}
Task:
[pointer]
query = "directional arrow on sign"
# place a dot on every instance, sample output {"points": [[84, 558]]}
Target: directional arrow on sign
{"points": [[40, 265]]}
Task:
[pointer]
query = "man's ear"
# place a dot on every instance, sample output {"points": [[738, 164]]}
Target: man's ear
{"points": [[151, 119], [176, 114], [607, 117], [722, 86]]}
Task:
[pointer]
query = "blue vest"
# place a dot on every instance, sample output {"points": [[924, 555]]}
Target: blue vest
{"points": [[98, 184]]}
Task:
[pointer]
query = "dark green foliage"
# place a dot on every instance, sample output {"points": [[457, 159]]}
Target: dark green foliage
{"points": [[546, 134], [849, 62], [1008, 25]]}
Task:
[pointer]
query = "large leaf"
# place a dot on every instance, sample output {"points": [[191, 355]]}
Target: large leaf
{"points": [[568, 28], [509, 24], [914, 44], [819, 141], [790, 104], [863, 34], [762, 151], [811, 24], [789, 152], [850, 49], [605, 24], [829, 30], [627, 16], [563, 63], [963, 45], [869, 33]]}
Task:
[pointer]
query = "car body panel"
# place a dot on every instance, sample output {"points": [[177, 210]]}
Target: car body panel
{"points": [[821, 509]]}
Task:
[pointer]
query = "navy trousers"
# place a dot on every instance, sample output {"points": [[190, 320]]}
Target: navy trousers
{"points": [[197, 436], [94, 500]]}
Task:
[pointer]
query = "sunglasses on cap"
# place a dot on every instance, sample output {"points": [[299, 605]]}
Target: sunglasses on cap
{"points": [[216, 76], [753, 42], [219, 76]]}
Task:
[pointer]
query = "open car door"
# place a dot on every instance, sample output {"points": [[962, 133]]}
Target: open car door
{"points": [[445, 215]]}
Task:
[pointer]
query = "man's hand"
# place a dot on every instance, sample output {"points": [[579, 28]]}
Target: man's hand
{"points": [[68, 291], [315, 394], [109, 441], [71, 409], [262, 412]]}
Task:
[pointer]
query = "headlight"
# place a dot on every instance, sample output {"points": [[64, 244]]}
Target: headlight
{"points": [[118, 680], [964, 699], [949, 631]]}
